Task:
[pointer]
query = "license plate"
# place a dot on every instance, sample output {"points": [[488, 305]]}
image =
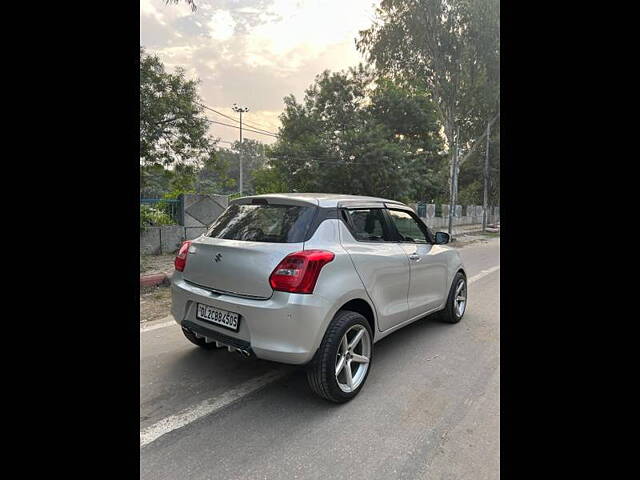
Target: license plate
{"points": [[219, 317]]}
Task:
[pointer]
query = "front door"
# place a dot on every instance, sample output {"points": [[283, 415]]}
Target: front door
{"points": [[427, 263]]}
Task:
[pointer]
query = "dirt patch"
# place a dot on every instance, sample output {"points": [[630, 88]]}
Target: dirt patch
{"points": [[462, 241], [156, 264], [155, 304]]}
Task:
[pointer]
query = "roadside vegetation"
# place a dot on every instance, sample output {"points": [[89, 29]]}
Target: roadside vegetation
{"points": [[388, 128]]}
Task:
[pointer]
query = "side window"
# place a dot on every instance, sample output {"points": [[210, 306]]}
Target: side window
{"points": [[408, 227], [367, 225]]}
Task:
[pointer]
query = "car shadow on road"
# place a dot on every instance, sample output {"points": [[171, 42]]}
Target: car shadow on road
{"points": [[386, 350], [200, 373], [220, 367]]}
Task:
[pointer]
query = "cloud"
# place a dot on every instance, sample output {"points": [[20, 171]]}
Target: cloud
{"points": [[255, 52], [148, 9], [221, 25]]}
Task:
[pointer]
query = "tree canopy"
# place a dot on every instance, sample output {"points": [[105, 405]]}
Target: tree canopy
{"points": [[191, 3], [450, 48], [173, 126], [384, 129], [355, 133], [218, 174]]}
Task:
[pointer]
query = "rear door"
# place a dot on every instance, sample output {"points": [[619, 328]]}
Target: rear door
{"points": [[380, 262], [245, 244], [427, 262]]}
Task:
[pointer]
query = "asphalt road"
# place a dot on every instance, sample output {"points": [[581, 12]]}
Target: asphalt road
{"points": [[430, 407]]}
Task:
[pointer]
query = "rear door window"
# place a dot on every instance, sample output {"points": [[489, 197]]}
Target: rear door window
{"points": [[263, 223], [368, 225]]}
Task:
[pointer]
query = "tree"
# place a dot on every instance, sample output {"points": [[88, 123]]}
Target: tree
{"points": [[173, 127], [450, 48], [253, 159], [355, 133], [269, 179], [471, 176], [154, 181], [191, 3]]}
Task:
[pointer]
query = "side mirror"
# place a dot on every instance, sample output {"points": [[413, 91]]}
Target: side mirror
{"points": [[442, 238]]}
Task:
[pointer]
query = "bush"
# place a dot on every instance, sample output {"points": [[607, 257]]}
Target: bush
{"points": [[151, 217]]}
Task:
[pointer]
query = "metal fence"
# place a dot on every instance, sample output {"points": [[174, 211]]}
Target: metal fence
{"points": [[172, 207]]}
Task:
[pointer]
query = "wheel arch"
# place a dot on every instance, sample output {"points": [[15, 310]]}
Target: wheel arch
{"points": [[355, 300], [362, 307]]}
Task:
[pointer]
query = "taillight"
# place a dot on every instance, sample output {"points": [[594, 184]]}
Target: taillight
{"points": [[299, 271], [181, 258]]}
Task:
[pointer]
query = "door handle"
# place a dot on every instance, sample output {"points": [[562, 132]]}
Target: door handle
{"points": [[415, 256]]}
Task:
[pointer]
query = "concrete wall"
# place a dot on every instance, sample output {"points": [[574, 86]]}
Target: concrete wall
{"points": [[201, 210], [167, 239], [463, 215], [198, 212]]}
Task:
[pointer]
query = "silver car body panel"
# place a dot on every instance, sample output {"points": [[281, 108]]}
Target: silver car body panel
{"points": [[383, 268], [297, 199], [237, 267], [428, 267], [287, 327], [320, 199]]}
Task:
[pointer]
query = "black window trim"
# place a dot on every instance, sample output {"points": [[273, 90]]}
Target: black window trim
{"points": [[386, 227], [421, 225]]}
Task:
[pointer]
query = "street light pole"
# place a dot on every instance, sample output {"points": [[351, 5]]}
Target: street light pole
{"points": [[240, 110], [486, 181], [454, 182]]}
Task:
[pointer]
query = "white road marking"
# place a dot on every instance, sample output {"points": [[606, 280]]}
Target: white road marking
{"points": [[168, 321], [206, 407], [482, 274]]}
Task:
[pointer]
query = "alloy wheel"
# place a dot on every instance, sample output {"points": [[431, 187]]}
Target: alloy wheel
{"points": [[460, 298], [353, 357]]}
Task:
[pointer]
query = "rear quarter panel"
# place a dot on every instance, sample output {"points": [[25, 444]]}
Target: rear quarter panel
{"points": [[338, 282]]}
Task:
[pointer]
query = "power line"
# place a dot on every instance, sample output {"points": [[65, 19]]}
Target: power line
{"points": [[219, 113], [259, 128], [246, 129], [236, 120]]}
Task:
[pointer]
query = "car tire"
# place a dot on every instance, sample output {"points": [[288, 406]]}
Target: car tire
{"points": [[451, 312], [321, 372], [198, 341]]}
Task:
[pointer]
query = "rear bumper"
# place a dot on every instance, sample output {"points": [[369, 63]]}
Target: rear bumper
{"points": [[285, 328]]}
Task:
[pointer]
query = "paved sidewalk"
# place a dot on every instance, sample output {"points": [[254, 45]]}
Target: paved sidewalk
{"points": [[462, 229]]}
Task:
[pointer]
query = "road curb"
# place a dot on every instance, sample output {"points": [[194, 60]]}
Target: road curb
{"points": [[157, 279]]}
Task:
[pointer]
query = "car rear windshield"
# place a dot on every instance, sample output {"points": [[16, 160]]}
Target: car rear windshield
{"points": [[263, 223]]}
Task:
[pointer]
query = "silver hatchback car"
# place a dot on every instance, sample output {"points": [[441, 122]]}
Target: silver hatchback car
{"points": [[314, 279]]}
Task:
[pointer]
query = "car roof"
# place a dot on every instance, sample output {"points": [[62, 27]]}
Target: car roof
{"points": [[320, 199]]}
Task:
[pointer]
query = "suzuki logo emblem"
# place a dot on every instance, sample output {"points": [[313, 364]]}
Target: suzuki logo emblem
{"points": [[218, 257]]}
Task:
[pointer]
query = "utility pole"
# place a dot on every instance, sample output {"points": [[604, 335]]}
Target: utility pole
{"points": [[454, 182], [486, 180], [240, 110]]}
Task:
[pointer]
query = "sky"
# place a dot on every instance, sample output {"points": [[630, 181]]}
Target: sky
{"points": [[254, 52]]}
